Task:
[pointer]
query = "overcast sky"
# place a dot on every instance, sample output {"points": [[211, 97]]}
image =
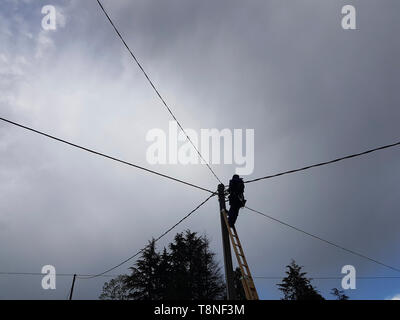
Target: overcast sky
{"points": [[310, 90]]}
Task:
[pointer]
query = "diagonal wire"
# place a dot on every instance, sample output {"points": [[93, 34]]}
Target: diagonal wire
{"points": [[155, 89], [326, 162], [326, 241], [103, 155], [155, 240]]}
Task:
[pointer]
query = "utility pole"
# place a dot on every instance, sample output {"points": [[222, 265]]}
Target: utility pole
{"points": [[72, 287], [226, 246]]}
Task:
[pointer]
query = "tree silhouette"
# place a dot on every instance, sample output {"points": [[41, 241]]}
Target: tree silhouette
{"points": [[144, 281], [194, 272], [296, 286], [339, 294], [115, 289], [187, 270]]}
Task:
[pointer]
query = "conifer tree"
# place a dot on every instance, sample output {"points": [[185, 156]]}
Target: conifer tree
{"points": [[296, 286], [187, 270]]}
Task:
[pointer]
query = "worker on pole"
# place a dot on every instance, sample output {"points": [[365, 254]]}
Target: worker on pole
{"points": [[236, 198]]}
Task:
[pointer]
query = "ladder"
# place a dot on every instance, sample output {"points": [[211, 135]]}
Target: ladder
{"points": [[247, 279]]}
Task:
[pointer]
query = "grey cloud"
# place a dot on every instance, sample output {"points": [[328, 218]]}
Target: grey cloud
{"points": [[310, 90]]}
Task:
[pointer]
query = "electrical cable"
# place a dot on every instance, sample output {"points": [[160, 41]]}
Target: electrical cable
{"points": [[325, 163], [103, 154], [155, 240], [154, 87], [323, 240]]}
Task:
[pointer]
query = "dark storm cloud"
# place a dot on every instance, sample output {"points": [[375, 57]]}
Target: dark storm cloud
{"points": [[311, 91]]}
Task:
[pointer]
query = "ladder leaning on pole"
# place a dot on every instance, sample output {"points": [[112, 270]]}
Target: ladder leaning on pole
{"points": [[247, 279]]}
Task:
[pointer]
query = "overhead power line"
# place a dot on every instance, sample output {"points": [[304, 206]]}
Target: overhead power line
{"points": [[6, 273], [155, 89], [325, 163], [155, 240], [103, 154], [326, 241], [333, 278]]}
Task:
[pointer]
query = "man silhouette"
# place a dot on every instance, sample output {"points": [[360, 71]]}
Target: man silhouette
{"points": [[236, 198]]}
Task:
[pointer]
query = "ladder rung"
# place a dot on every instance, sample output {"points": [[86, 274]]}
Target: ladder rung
{"points": [[244, 263], [246, 276], [247, 280]]}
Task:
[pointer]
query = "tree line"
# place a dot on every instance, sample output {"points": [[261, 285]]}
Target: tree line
{"points": [[188, 270]]}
